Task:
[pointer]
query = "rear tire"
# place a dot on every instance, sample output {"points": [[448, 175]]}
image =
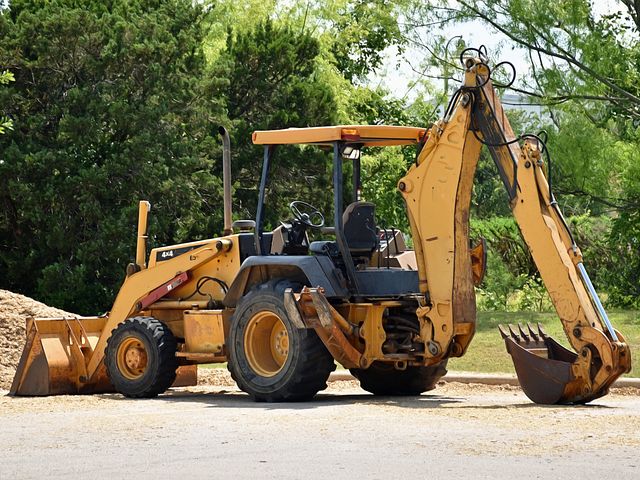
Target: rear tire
{"points": [[384, 379], [269, 358], [141, 357]]}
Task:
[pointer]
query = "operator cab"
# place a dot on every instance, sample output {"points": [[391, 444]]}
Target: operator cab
{"points": [[370, 260]]}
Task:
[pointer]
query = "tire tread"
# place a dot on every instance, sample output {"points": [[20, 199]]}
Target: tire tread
{"points": [[381, 379], [315, 362], [166, 345]]}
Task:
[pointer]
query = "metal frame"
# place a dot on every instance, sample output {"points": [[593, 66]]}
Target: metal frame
{"points": [[266, 165], [337, 205], [367, 135], [337, 216], [357, 184]]}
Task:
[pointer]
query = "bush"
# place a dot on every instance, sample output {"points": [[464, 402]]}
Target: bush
{"points": [[513, 282]]}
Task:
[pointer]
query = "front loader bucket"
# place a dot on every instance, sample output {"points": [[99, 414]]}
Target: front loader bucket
{"points": [[53, 359], [55, 356], [543, 366]]}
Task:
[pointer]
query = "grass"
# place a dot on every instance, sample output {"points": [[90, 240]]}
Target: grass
{"points": [[488, 354]]}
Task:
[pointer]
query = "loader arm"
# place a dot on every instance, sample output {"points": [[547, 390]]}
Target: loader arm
{"points": [[65, 355], [137, 286], [437, 191]]}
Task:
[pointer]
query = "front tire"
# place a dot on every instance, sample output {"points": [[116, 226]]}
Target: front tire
{"points": [[384, 379], [141, 357], [269, 358]]}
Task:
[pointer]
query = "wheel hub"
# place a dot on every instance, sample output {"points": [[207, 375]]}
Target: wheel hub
{"points": [[132, 358], [266, 343]]}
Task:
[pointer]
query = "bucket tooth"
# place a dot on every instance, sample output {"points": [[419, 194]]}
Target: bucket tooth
{"points": [[541, 331], [503, 331], [524, 334], [514, 333], [532, 332]]}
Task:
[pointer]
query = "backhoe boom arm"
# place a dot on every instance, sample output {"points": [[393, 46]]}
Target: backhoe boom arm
{"points": [[437, 191]]}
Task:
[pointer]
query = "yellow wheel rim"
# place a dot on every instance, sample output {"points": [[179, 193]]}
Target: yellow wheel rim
{"points": [[266, 343], [131, 358]]}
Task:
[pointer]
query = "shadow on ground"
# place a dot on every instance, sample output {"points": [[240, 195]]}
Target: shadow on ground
{"points": [[231, 398]]}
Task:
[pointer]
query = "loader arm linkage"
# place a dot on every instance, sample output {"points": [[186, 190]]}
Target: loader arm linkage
{"points": [[437, 191], [65, 356]]}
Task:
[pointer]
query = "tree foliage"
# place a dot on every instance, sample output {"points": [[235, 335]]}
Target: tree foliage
{"points": [[272, 84], [362, 30], [583, 65], [576, 52], [116, 101], [5, 122], [109, 108]]}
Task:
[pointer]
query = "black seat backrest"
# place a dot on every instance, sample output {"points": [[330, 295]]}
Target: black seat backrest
{"points": [[359, 224]]}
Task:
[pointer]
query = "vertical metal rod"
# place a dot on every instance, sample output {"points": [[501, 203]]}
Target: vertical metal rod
{"points": [[226, 180], [395, 240], [388, 240], [356, 180], [596, 301], [263, 186], [337, 218]]}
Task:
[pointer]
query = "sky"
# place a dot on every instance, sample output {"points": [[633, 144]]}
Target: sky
{"points": [[398, 80]]}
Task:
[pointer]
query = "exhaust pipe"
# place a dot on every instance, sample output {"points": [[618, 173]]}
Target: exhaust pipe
{"points": [[141, 245], [226, 180]]}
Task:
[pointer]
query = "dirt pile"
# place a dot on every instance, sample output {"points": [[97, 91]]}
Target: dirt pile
{"points": [[217, 377], [14, 310]]}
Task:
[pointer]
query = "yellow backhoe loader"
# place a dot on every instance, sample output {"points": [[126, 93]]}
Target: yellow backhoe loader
{"points": [[282, 310]]}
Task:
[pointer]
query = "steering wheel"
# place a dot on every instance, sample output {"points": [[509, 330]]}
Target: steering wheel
{"points": [[305, 213]]}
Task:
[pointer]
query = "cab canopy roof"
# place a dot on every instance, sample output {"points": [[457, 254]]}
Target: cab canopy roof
{"points": [[367, 135]]}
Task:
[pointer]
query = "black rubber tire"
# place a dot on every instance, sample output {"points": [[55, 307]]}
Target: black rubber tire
{"points": [[308, 363], [384, 379], [160, 345]]}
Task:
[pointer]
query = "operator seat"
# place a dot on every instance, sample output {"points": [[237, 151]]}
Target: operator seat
{"points": [[359, 226]]}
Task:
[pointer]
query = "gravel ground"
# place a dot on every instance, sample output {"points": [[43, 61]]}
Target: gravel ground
{"points": [[466, 431]]}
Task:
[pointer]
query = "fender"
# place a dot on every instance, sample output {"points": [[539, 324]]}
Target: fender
{"points": [[315, 271]]}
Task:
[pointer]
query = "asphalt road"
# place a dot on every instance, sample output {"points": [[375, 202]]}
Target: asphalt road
{"points": [[457, 431]]}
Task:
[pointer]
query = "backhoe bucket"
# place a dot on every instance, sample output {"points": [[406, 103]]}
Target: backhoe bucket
{"points": [[543, 366], [54, 358]]}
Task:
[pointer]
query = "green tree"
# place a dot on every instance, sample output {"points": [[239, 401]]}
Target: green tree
{"points": [[353, 34], [273, 83], [576, 52], [583, 65], [109, 108], [359, 32], [5, 122]]}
